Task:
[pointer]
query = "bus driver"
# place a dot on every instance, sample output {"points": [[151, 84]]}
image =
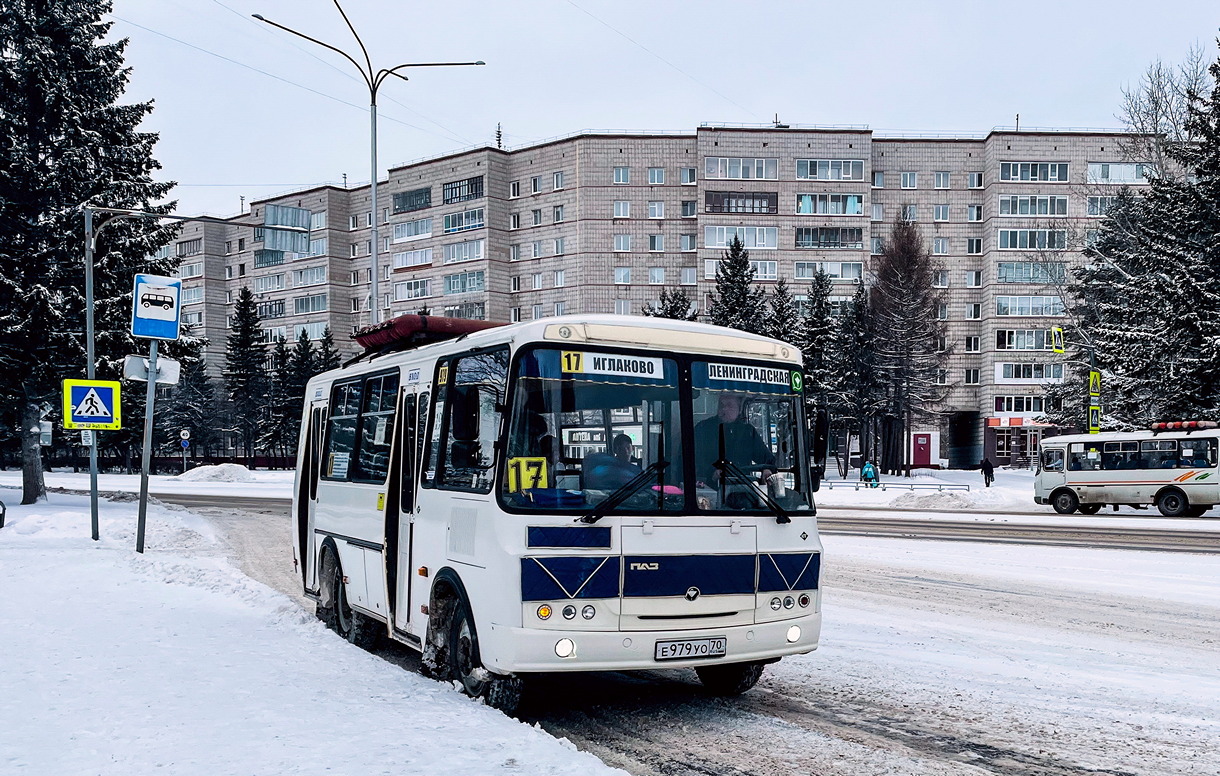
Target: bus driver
{"points": [[743, 447]]}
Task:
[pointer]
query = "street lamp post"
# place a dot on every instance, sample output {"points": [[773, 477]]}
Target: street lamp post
{"points": [[373, 80]]}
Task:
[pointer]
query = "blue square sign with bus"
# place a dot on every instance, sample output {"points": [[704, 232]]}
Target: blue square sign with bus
{"points": [[156, 310], [92, 404]]}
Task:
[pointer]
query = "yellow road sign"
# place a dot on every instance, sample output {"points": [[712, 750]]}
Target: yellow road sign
{"points": [[1057, 339], [1095, 383], [92, 404]]}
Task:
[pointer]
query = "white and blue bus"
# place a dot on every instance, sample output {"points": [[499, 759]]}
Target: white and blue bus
{"points": [[576, 493]]}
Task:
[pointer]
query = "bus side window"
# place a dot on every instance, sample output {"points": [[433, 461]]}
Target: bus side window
{"points": [[470, 424], [372, 461], [1052, 460], [1198, 453], [341, 430]]}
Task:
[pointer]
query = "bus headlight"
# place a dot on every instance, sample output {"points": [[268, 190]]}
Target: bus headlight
{"points": [[588, 612], [789, 602], [565, 648], [569, 612], [803, 600], [544, 612], [794, 634], [775, 604]]}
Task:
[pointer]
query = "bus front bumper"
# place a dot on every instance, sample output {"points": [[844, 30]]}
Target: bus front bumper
{"points": [[509, 649]]}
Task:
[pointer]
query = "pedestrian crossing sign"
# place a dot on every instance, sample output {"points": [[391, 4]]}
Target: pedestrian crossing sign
{"points": [[92, 404]]}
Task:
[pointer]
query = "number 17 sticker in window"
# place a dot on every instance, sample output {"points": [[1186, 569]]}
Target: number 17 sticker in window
{"points": [[525, 473]]}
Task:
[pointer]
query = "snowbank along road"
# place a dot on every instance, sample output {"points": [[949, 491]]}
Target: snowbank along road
{"points": [[937, 658]]}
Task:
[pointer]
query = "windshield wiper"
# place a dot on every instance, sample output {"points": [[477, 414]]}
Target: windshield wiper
{"points": [[626, 491], [726, 467]]}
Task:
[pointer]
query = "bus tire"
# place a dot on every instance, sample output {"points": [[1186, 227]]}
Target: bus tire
{"points": [[1064, 501], [500, 692], [1172, 502], [326, 594], [1089, 509], [730, 679], [351, 625], [1197, 510]]}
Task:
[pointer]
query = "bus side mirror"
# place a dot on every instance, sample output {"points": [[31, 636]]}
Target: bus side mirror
{"points": [[818, 450]]}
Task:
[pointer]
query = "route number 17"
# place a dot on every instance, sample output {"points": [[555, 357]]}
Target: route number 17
{"points": [[526, 472]]}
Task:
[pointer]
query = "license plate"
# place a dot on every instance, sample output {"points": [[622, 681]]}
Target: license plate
{"points": [[716, 646]]}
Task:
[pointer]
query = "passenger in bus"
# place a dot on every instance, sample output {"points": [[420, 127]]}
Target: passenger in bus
{"points": [[621, 447], [743, 446], [610, 470]]}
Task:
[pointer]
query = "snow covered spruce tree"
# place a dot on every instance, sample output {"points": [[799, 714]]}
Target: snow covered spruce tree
{"points": [[65, 141], [816, 338], [783, 319], [904, 307], [246, 380], [736, 303], [673, 304], [191, 405], [854, 382], [327, 357], [1149, 300], [275, 434]]}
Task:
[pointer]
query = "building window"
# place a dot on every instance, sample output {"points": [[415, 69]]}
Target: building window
{"points": [[622, 208], [514, 189], [942, 311], [1023, 339], [557, 180], [463, 190], [264, 258], [192, 294], [559, 278], [940, 246], [473, 311], [972, 377], [514, 284], [877, 246], [354, 249], [514, 220], [1046, 172], [622, 242], [464, 282], [315, 303], [835, 270], [687, 276], [535, 184], [878, 179], [1022, 371], [1031, 272], [686, 242], [622, 175], [470, 250], [461, 222], [557, 214], [536, 249], [514, 253], [830, 169], [311, 276], [514, 315], [754, 237], [317, 220], [656, 243], [656, 276], [656, 176], [1029, 305], [274, 333], [536, 281], [940, 180], [878, 211], [909, 180], [974, 311], [910, 212], [1099, 206], [190, 247], [1018, 404], [557, 244], [974, 212], [267, 283], [191, 270], [735, 168], [741, 202], [1106, 172], [413, 230], [974, 278], [974, 180], [561, 308], [196, 318], [656, 209], [942, 377], [230, 272], [974, 246], [1033, 206], [412, 289], [622, 307], [688, 176], [416, 199], [690, 208], [765, 270], [940, 278], [830, 204], [972, 344], [622, 276], [1036, 239], [536, 217], [418, 258]]}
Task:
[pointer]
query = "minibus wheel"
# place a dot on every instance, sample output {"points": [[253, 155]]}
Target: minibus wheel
{"points": [[353, 626], [1064, 501], [1197, 511], [500, 692], [1172, 503], [1089, 509], [730, 679]]}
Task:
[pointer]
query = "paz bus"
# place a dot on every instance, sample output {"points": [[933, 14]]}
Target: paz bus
{"points": [[1172, 465], [578, 493]]}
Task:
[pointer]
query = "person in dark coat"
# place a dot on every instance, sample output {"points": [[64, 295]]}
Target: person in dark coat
{"points": [[988, 471], [743, 447]]}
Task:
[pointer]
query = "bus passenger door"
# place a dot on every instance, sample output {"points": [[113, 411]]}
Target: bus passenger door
{"points": [[406, 478], [307, 495]]}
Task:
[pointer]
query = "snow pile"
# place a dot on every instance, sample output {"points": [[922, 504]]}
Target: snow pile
{"points": [[175, 662], [225, 472]]}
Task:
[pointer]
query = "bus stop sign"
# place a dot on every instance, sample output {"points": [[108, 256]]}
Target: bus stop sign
{"points": [[156, 309]]}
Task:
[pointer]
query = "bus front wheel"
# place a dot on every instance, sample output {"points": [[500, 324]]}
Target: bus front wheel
{"points": [[1172, 503], [1065, 502], [731, 679], [500, 692]]}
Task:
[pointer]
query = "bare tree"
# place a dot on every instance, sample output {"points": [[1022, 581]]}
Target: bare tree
{"points": [[1156, 109]]}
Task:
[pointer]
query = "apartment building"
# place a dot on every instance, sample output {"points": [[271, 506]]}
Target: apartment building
{"points": [[601, 222]]}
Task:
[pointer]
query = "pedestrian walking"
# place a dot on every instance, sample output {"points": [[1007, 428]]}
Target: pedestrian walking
{"points": [[988, 471], [868, 473]]}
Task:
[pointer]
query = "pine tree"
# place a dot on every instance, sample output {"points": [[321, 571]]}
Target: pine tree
{"points": [[736, 303], [818, 328], [246, 379], [64, 141], [191, 405], [275, 432], [904, 308], [857, 389], [674, 304], [783, 319], [327, 357]]}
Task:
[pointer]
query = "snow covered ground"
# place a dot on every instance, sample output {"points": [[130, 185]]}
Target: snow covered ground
{"points": [[174, 662]]}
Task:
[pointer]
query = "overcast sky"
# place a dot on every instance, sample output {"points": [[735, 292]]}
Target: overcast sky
{"points": [[244, 109]]}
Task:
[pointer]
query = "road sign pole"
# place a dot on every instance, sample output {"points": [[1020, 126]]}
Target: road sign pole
{"points": [[148, 425], [90, 365]]}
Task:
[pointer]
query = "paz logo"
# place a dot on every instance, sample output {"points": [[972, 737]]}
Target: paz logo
{"points": [[798, 381]]}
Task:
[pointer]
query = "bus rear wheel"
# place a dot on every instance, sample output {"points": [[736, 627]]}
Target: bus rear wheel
{"points": [[1065, 502], [502, 693], [731, 679], [1172, 503], [1089, 509], [353, 626], [1197, 511]]}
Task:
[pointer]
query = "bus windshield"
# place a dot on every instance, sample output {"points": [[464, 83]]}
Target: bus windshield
{"points": [[588, 426]]}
